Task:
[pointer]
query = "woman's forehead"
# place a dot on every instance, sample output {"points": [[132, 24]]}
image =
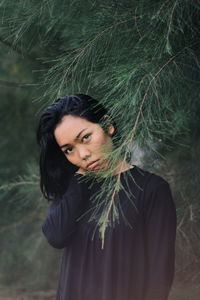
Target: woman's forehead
{"points": [[70, 127], [71, 121]]}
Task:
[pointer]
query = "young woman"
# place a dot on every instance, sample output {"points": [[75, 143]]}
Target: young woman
{"points": [[137, 261]]}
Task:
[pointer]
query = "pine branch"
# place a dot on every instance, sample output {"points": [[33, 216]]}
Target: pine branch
{"points": [[5, 83], [85, 48], [16, 184], [132, 134]]}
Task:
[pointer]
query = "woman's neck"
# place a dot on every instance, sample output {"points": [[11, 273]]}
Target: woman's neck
{"points": [[122, 166]]}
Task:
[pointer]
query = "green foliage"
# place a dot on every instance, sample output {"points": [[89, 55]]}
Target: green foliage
{"points": [[137, 57], [22, 211]]}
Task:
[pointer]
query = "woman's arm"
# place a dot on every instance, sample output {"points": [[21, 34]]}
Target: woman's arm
{"points": [[160, 224], [61, 221]]}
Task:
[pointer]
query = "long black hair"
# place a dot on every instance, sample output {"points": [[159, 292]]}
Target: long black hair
{"points": [[55, 169]]}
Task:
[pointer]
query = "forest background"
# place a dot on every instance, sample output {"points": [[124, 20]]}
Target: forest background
{"points": [[139, 57]]}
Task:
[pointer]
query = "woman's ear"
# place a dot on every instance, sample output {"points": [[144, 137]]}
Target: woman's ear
{"points": [[109, 127]]}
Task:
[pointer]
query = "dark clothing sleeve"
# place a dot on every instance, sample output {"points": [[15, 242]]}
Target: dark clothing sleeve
{"points": [[61, 221], [160, 231]]}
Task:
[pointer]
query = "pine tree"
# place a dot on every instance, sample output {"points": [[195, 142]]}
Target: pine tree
{"points": [[136, 57]]}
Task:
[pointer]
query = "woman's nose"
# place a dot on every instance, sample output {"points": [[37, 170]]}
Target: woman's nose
{"points": [[84, 153]]}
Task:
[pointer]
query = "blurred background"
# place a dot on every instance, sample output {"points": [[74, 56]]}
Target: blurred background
{"points": [[123, 53]]}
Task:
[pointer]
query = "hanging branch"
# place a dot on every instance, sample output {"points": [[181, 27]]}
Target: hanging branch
{"points": [[132, 134], [16, 184], [84, 49], [4, 83]]}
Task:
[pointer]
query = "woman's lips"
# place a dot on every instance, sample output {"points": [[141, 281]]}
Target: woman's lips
{"points": [[92, 165]]}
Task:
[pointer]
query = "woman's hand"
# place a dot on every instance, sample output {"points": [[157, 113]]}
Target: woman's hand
{"points": [[80, 171]]}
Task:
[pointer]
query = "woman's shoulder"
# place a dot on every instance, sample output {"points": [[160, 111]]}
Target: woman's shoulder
{"points": [[156, 191], [149, 179]]}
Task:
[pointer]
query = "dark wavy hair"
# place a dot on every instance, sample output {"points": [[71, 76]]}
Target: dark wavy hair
{"points": [[55, 169]]}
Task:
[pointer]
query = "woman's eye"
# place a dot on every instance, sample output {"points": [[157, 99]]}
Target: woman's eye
{"points": [[69, 150], [86, 136], [66, 151]]}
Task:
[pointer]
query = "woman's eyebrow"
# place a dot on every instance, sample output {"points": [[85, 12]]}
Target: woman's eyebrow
{"points": [[65, 145]]}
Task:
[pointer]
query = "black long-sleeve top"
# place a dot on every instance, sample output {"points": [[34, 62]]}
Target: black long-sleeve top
{"points": [[137, 261]]}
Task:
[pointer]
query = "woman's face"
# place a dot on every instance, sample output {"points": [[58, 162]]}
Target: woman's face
{"points": [[83, 142]]}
